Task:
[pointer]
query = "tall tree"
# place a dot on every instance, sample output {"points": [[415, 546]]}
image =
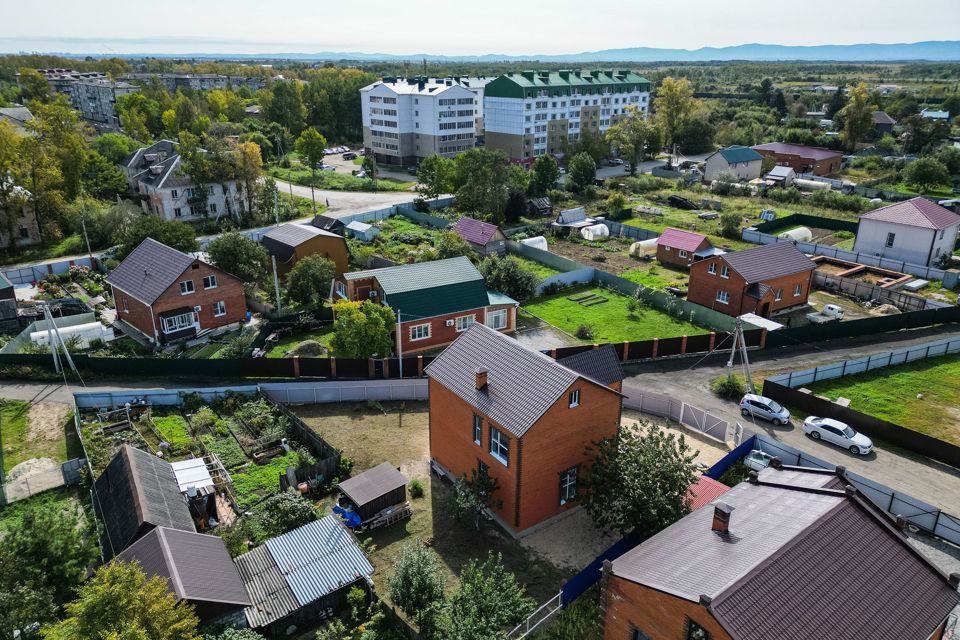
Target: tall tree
{"points": [[249, 171], [308, 282], [635, 137], [545, 175], [362, 329], [174, 234], [673, 106], [857, 116], [582, 170], [434, 176], [482, 178], [239, 255], [837, 102], [285, 105], [59, 131], [310, 146], [34, 86]]}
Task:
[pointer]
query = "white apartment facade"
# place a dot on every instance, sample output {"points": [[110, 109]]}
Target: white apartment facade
{"points": [[532, 113], [407, 119]]}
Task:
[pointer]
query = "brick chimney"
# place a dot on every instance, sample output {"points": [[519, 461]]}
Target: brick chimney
{"points": [[721, 517], [481, 378]]}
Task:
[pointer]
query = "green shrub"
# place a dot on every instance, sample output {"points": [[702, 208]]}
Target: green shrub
{"points": [[416, 489], [728, 387], [584, 332]]}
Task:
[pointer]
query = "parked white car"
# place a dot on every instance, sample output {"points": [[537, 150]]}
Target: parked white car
{"points": [[838, 433]]}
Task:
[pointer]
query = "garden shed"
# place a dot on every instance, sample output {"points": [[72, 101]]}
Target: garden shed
{"points": [[375, 490], [362, 231], [484, 238]]}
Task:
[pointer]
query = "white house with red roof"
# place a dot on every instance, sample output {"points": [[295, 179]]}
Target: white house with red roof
{"points": [[916, 231], [484, 238], [682, 248]]}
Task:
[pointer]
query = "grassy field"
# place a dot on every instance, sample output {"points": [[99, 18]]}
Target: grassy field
{"points": [[298, 174], [611, 321], [38, 433], [891, 394], [902, 187], [657, 276], [62, 499], [288, 343]]}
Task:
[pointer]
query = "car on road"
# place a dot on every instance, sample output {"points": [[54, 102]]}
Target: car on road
{"points": [[616, 161], [342, 149], [323, 166], [838, 433], [349, 155], [761, 407], [412, 169]]}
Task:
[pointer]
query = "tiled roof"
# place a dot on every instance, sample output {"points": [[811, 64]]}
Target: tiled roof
{"points": [[768, 261], [601, 364], [475, 231], [813, 153], [149, 270], [521, 384], [704, 491], [916, 212], [737, 153], [198, 566], [882, 117], [373, 483], [680, 239]]}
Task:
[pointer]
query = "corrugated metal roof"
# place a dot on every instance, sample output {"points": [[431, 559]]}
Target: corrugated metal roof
{"points": [[813, 153], [916, 212], [476, 231], [768, 261], [373, 483], [737, 153], [192, 473], [271, 596], [293, 234], [521, 384], [601, 364], [421, 275], [704, 491], [680, 239], [149, 270], [318, 558]]}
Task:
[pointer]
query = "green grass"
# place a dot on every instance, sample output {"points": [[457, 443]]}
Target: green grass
{"points": [[227, 449], [287, 343], [688, 221], [333, 181], [69, 246], [18, 445], [258, 481], [902, 187], [62, 499], [657, 276], [541, 270], [891, 394], [611, 321], [174, 430]]}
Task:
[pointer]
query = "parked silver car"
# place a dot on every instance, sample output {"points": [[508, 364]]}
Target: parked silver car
{"points": [[838, 433], [766, 408]]}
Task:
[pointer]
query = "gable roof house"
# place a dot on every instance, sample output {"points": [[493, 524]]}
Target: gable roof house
{"points": [[136, 493], [743, 163], [18, 117], [815, 160], [434, 301], [484, 238], [198, 569], [795, 553], [291, 242], [882, 123], [764, 280], [915, 231], [524, 418], [157, 177], [682, 248], [168, 295]]}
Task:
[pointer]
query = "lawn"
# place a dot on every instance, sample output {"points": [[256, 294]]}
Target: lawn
{"points": [[333, 181], [68, 246], [62, 499], [902, 187], [40, 432], [286, 344], [891, 394], [542, 271], [611, 321], [657, 276], [688, 221]]}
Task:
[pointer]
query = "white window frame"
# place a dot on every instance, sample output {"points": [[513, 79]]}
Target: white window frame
{"points": [[212, 278], [722, 297], [172, 324], [797, 290], [574, 399], [341, 289], [568, 485], [499, 446], [681, 253], [418, 329], [777, 295], [219, 309], [493, 319], [477, 428], [712, 268], [187, 287], [465, 322], [724, 271]]}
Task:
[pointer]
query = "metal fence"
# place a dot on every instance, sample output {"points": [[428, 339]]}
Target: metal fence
{"points": [[324, 392], [29, 273], [664, 406], [806, 220]]}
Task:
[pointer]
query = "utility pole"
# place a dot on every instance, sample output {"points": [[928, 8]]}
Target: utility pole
{"points": [[739, 344], [276, 210], [83, 224], [276, 282]]}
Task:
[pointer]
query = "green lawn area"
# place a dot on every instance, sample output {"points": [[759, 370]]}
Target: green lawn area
{"points": [[69, 246], [22, 440], [688, 221], [288, 343], [298, 174], [657, 276], [62, 499], [891, 394], [541, 270], [902, 187], [611, 321]]}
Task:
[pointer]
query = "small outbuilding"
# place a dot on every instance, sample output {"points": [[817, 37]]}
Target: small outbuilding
{"points": [[484, 238], [539, 207], [682, 248], [883, 123], [595, 232], [362, 231], [328, 223], [537, 242], [289, 243], [374, 490], [780, 176], [574, 219]]}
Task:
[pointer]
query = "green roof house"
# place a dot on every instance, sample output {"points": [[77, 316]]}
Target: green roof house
{"points": [[743, 163]]}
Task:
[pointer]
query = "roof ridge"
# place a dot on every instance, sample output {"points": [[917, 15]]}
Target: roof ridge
{"points": [[171, 563]]}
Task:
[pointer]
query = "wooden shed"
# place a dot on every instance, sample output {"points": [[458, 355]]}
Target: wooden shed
{"points": [[375, 489], [292, 242]]}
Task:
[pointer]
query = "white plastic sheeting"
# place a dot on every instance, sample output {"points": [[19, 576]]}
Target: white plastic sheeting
{"points": [[86, 333], [595, 232], [802, 234], [537, 242], [644, 248], [192, 473]]}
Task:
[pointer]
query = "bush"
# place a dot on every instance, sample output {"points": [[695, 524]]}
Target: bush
{"points": [[646, 183], [584, 332], [730, 224], [416, 489], [308, 348], [728, 387]]}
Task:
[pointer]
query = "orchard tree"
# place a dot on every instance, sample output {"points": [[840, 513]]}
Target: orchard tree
{"points": [[308, 282], [488, 600], [450, 244], [635, 136], [434, 175], [362, 329], [545, 174], [178, 235], [926, 174], [417, 582], [639, 479], [509, 276], [582, 170], [239, 255]]}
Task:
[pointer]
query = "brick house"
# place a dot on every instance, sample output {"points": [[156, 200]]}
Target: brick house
{"points": [[168, 295], [434, 301], [291, 242], [795, 553], [762, 280], [484, 238], [815, 160], [524, 418], [682, 248]]}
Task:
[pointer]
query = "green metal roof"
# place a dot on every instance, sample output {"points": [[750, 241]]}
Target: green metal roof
{"points": [[496, 297], [736, 153], [528, 83]]}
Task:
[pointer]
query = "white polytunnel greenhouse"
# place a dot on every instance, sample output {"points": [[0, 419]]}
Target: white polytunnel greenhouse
{"points": [[537, 242], [595, 232]]}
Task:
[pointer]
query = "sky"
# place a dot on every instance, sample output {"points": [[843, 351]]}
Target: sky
{"points": [[457, 27]]}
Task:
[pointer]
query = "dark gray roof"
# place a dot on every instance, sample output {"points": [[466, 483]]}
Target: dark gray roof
{"points": [[373, 483], [327, 223], [198, 566], [882, 117], [136, 160], [271, 597], [768, 261], [801, 560], [136, 489], [521, 384], [601, 364], [149, 270], [281, 241]]}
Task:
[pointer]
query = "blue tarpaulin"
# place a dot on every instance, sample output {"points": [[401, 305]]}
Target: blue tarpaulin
{"points": [[350, 518]]}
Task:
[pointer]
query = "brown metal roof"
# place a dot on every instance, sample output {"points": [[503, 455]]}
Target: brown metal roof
{"points": [[373, 483], [916, 212], [807, 153], [600, 364], [149, 270], [768, 261], [680, 239]]}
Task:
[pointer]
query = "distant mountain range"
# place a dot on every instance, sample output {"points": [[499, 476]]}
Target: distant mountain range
{"points": [[939, 51]]}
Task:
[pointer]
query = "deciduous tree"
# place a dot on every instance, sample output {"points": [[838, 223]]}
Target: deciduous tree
{"points": [[362, 329], [582, 170], [239, 255], [308, 282], [857, 116], [509, 276], [434, 176], [174, 234], [482, 180], [674, 105], [488, 600], [417, 582], [545, 174], [926, 174], [635, 136]]}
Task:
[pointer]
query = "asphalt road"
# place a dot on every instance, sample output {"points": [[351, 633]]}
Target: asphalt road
{"points": [[349, 202], [689, 380]]}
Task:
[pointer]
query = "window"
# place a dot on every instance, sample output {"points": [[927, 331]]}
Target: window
{"points": [[722, 297], [420, 332], [342, 289], [797, 290], [125, 308], [778, 295], [174, 193], [695, 631], [219, 309], [575, 398], [186, 287], [178, 323], [497, 319], [196, 210], [464, 322], [682, 253], [477, 425], [568, 485], [724, 271], [890, 239], [712, 268], [499, 446], [213, 207], [209, 282], [636, 634], [177, 212]]}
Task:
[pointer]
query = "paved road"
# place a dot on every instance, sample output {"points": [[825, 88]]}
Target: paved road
{"points": [[348, 202]]}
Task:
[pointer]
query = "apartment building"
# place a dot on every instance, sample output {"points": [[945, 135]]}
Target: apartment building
{"points": [[406, 119], [531, 113], [196, 81], [91, 93]]}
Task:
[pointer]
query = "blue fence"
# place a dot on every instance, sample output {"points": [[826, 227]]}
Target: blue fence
{"points": [[589, 575], [727, 461]]}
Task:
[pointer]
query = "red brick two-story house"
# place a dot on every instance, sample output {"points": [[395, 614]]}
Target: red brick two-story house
{"points": [[794, 554], [434, 301], [763, 280], [523, 417], [168, 295]]}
